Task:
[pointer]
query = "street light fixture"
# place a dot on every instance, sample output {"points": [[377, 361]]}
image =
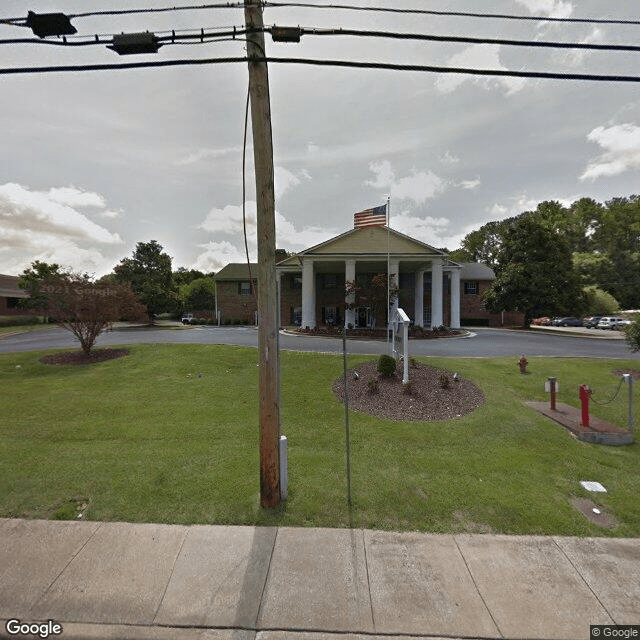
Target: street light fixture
{"points": [[50, 24]]}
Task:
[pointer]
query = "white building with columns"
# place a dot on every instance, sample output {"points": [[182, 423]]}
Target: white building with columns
{"points": [[312, 282]]}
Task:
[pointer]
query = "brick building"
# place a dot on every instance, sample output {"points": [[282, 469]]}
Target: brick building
{"points": [[10, 295], [433, 290]]}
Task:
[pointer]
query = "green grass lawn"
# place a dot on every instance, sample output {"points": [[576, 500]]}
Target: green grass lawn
{"points": [[146, 439]]}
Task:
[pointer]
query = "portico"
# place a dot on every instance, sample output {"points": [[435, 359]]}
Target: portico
{"points": [[313, 281]]}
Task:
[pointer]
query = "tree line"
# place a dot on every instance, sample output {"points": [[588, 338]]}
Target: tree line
{"points": [[561, 260]]}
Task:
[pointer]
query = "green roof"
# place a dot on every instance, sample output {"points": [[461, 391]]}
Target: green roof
{"points": [[237, 271]]}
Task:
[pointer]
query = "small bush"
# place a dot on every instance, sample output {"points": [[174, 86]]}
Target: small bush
{"points": [[17, 321], [372, 385], [444, 381], [386, 365]]}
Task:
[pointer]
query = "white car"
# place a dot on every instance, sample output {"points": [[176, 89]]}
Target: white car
{"points": [[609, 322]]}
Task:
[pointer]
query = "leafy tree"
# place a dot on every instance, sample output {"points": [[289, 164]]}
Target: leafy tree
{"points": [[600, 302], [185, 276], [199, 295], [149, 273], [484, 244], [534, 272], [632, 334], [86, 308], [32, 280]]}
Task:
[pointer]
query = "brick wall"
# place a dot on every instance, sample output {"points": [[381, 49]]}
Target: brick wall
{"points": [[234, 306]]}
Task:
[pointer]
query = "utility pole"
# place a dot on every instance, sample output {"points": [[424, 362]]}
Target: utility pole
{"points": [[269, 370]]}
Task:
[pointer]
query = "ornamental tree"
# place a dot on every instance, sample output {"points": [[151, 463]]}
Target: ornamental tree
{"points": [[87, 308]]}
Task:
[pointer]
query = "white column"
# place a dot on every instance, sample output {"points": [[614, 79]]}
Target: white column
{"points": [[394, 279], [308, 294], [418, 319], [349, 276], [455, 298], [436, 292]]}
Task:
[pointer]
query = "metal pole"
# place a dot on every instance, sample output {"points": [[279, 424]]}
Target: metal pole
{"points": [[552, 390], [346, 414], [269, 381], [629, 378]]}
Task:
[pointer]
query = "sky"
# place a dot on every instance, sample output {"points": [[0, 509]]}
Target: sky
{"points": [[94, 162]]}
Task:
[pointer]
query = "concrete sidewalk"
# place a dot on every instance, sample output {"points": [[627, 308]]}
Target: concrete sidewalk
{"points": [[148, 581]]}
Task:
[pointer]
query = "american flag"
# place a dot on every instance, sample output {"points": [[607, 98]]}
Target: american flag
{"points": [[376, 217]]}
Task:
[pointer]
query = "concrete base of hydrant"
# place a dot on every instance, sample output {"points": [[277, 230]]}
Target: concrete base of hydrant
{"points": [[598, 431]]}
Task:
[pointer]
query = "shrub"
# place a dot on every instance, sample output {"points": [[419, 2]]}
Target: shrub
{"points": [[372, 385], [17, 321], [632, 333], [386, 365], [444, 381]]}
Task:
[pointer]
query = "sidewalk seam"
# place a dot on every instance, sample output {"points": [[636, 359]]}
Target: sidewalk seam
{"points": [[75, 555], [475, 584], [173, 568], [266, 580], [366, 566], [595, 595]]}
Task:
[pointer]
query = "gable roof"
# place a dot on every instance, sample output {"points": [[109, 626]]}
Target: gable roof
{"points": [[476, 271], [367, 241], [237, 271]]}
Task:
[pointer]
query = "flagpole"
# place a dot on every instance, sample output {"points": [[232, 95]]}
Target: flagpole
{"points": [[389, 274]]}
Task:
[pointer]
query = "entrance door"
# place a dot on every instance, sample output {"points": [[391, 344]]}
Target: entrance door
{"points": [[363, 317]]}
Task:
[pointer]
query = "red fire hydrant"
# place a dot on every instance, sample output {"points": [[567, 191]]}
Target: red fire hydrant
{"points": [[585, 394]]}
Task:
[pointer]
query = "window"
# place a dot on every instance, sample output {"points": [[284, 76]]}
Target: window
{"points": [[330, 315], [471, 288], [296, 282], [244, 288]]}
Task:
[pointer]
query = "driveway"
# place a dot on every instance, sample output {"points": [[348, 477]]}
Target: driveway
{"points": [[479, 342]]}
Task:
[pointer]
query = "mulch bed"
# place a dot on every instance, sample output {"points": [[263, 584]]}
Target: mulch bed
{"points": [[427, 400], [79, 357], [635, 374]]}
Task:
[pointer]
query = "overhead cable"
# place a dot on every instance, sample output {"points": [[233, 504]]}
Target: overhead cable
{"points": [[204, 35], [325, 63], [462, 14], [466, 39]]}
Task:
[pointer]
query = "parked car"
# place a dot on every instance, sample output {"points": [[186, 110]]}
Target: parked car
{"points": [[187, 318], [592, 321], [609, 322], [568, 321], [623, 324], [544, 321]]}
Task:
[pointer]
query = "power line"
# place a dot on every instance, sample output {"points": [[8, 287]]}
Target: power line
{"points": [[213, 34], [465, 39], [326, 63], [463, 14], [203, 35], [21, 21]]}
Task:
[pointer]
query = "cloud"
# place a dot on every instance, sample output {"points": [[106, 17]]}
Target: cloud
{"points": [[76, 197], [228, 221], [478, 56], [470, 184], [449, 158], [418, 187], [218, 254], [203, 154], [35, 212], [431, 231], [283, 180], [552, 8], [622, 151]]}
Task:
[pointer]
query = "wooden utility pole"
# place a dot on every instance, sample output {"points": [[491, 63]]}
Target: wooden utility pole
{"points": [[269, 374]]}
